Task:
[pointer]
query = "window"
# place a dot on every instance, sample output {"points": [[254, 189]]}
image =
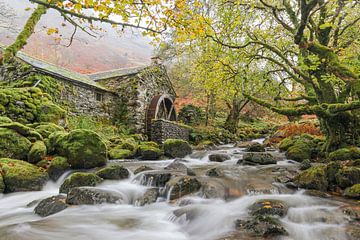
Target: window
{"points": [[99, 97]]}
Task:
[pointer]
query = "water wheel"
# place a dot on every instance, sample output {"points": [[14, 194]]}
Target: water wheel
{"points": [[160, 107]]}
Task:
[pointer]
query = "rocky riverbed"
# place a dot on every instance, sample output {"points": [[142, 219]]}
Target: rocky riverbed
{"points": [[208, 195]]}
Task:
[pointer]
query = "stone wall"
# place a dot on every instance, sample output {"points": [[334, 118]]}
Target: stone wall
{"points": [[162, 130], [136, 92]]}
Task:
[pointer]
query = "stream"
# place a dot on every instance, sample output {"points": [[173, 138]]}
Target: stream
{"points": [[203, 216]]}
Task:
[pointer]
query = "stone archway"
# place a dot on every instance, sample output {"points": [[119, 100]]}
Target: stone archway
{"points": [[160, 107]]}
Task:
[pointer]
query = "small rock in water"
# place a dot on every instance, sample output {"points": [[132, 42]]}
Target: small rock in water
{"points": [[255, 147], [51, 205], [149, 197], [316, 193], [257, 159], [181, 186], [263, 226], [214, 189], [114, 172], [176, 165], [215, 172], [219, 157], [268, 207], [156, 179], [91, 196], [142, 168]]}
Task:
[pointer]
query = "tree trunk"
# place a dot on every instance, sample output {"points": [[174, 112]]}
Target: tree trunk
{"points": [[233, 118], [25, 34]]}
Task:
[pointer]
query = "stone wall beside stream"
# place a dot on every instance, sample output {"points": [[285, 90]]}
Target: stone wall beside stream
{"points": [[162, 130]]}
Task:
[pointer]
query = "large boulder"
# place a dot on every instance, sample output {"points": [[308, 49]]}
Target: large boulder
{"points": [[348, 176], [257, 158], [51, 205], [177, 148], [83, 149], [80, 179], [313, 178], [181, 186], [58, 166], [219, 157], [91, 196], [21, 176], [113, 172], [149, 151], [119, 153], [350, 153], [299, 152], [13, 144], [37, 152], [353, 191]]}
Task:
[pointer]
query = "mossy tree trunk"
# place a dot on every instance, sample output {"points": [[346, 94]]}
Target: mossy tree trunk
{"points": [[233, 118], [25, 34]]}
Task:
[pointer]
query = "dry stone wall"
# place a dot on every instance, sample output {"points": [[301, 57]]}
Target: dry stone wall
{"points": [[162, 130]]}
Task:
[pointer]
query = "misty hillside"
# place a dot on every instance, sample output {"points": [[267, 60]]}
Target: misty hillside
{"points": [[87, 54]]}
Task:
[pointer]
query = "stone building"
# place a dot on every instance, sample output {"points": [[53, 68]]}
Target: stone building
{"points": [[137, 96]]}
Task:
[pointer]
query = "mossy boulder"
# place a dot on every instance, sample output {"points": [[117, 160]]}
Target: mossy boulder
{"points": [[129, 144], [80, 179], [54, 142], [176, 148], [58, 166], [29, 104], [353, 191], [23, 130], [255, 147], [13, 144], [149, 152], [83, 148], [299, 152], [5, 120], [313, 178], [350, 153], [257, 158], [119, 153], [205, 145], [37, 152], [348, 176], [113, 172], [285, 144], [21, 176], [45, 129], [2, 184]]}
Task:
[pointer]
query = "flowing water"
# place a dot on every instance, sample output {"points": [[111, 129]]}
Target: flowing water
{"points": [[195, 217]]}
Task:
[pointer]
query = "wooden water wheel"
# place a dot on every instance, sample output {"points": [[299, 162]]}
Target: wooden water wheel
{"points": [[160, 107]]}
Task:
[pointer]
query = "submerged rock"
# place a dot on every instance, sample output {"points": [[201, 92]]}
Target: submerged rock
{"points": [[80, 179], [113, 172], [150, 196], [51, 205], [21, 176], [142, 168], [58, 166], [91, 196], [181, 186], [257, 159], [219, 157], [176, 148]]}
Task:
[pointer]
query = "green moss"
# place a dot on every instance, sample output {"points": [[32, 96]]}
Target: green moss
{"points": [[113, 172], [83, 149], [13, 145], [21, 176], [286, 143], [176, 148], [147, 151], [353, 192], [313, 178], [119, 153], [2, 184], [55, 140], [37, 152], [80, 179], [58, 166], [5, 120], [350, 153], [299, 152], [348, 176], [45, 129]]}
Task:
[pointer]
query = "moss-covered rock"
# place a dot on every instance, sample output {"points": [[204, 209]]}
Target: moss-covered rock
{"points": [[37, 152], [313, 178], [331, 170], [58, 166], [149, 151], [54, 142], [176, 148], [113, 172], [13, 144], [348, 176], [255, 147], [299, 152], [23, 130], [205, 145], [285, 144], [2, 184], [119, 153], [5, 120], [353, 191], [80, 179], [29, 104], [83, 148], [45, 129], [21, 176], [350, 153]]}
